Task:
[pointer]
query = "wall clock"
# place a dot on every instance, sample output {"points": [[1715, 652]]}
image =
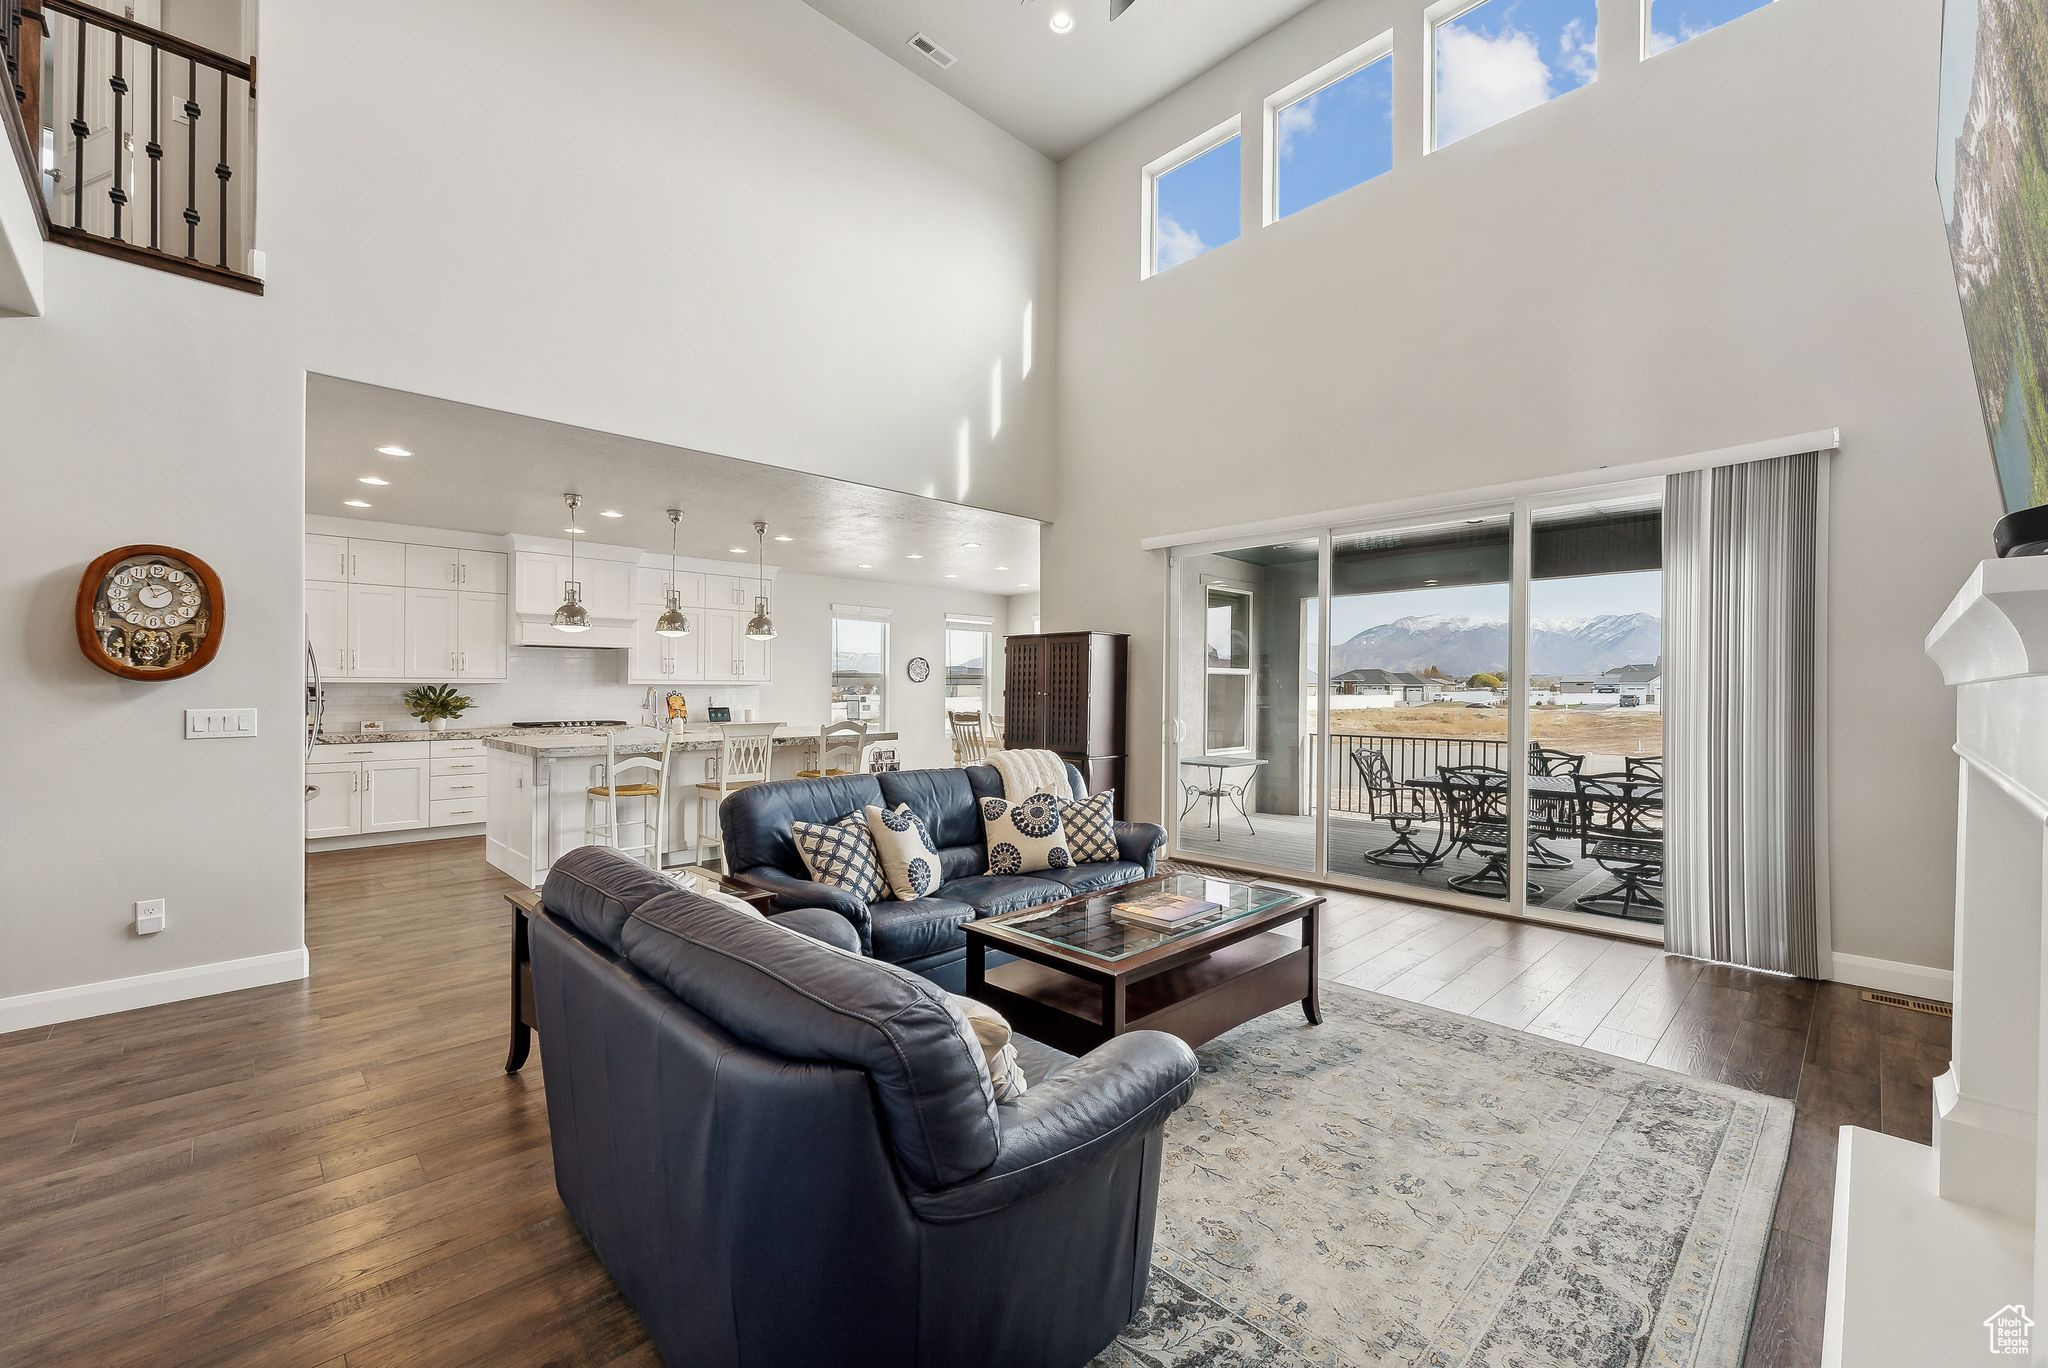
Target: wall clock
{"points": [[149, 612], [919, 669]]}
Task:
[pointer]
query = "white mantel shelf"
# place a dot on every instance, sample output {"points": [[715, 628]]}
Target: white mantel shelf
{"points": [[1930, 1240]]}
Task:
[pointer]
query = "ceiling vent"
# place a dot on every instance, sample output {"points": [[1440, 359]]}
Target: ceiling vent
{"points": [[940, 58]]}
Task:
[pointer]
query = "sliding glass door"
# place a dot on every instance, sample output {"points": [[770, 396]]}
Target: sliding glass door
{"points": [[1432, 706]]}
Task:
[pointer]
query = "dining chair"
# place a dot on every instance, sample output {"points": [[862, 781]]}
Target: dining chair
{"points": [[1620, 829], [1475, 799], [1551, 818], [1402, 809], [970, 742], [643, 777], [745, 750], [1643, 767], [840, 747]]}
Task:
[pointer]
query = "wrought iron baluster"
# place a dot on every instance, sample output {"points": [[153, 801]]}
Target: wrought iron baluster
{"points": [[118, 85], [79, 128], [156, 147], [221, 168], [11, 36], [191, 159]]}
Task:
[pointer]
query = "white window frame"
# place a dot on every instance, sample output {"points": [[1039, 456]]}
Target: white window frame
{"points": [[985, 629], [1350, 64], [1450, 11], [848, 612], [1249, 673], [1644, 19], [1148, 189]]}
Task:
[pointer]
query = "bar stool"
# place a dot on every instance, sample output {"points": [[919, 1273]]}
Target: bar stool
{"points": [[614, 781], [840, 746], [744, 752]]}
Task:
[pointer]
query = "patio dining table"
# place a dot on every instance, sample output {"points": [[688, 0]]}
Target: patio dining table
{"points": [[1560, 788]]}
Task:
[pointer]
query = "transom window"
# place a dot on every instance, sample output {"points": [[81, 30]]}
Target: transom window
{"points": [[1667, 23], [1492, 60], [1193, 199], [1331, 130]]}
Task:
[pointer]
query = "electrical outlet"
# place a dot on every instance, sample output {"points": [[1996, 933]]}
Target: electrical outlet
{"points": [[149, 916]]}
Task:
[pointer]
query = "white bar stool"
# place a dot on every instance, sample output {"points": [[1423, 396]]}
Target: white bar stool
{"points": [[840, 747], [614, 781], [744, 752]]}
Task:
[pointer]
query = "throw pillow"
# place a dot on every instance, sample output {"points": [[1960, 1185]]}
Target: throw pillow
{"points": [[841, 855], [1091, 827], [910, 861], [1024, 836], [703, 888], [992, 1033]]}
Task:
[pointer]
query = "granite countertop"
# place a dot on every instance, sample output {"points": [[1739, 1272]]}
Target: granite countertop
{"points": [[573, 745], [452, 734]]}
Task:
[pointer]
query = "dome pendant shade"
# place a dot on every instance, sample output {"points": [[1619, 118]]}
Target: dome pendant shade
{"points": [[673, 622], [572, 616], [761, 627]]}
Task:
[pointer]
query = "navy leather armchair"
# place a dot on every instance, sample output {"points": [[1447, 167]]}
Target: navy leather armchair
{"points": [[785, 1153], [923, 935]]}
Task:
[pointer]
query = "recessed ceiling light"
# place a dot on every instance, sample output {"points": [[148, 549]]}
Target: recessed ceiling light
{"points": [[970, 546], [1428, 583], [863, 566], [915, 555], [952, 577], [1022, 585], [573, 531], [353, 503], [737, 550], [372, 480], [780, 536], [609, 513], [1002, 567], [1062, 22], [392, 451]]}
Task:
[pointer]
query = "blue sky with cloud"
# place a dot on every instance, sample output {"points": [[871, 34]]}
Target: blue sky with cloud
{"points": [[1338, 137], [1674, 21], [1500, 58]]}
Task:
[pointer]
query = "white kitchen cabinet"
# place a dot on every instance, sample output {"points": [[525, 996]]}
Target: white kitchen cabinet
{"points": [[482, 642], [395, 795], [650, 587], [721, 632], [326, 557], [430, 634], [756, 658], [607, 588], [431, 567], [327, 626], [537, 582], [728, 591], [334, 808], [376, 631], [376, 562], [656, 659], [480, 572]]}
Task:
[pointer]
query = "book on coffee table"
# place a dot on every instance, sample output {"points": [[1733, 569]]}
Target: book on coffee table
{"points": [[1166, 911]]}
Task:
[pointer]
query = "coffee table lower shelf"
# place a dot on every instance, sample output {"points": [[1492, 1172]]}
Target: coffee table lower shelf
{"points": [[1196, 1001]]}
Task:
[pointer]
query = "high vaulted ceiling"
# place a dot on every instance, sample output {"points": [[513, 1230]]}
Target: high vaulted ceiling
{"points": [[1057, 92]]}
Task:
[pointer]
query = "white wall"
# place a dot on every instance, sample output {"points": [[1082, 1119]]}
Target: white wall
{"points": [[1736, 240], [722, 224]]}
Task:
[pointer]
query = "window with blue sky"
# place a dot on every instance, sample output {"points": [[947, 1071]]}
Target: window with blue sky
{"points": [[1195, 205], [1501, 57], [1334, 137], [1671, 22]]}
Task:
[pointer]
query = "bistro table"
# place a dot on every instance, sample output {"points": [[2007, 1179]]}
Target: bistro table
{"points": [[1217, 790]]}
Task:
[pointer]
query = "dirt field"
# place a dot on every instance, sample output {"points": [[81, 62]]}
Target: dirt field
{"points": [[1608, 731]]}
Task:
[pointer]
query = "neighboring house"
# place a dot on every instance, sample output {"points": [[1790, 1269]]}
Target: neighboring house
{"points": [[1396, 684], [1636, 685]]}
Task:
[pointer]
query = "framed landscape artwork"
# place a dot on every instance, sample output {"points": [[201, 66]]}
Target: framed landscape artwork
{"points": [[1990, 172]]}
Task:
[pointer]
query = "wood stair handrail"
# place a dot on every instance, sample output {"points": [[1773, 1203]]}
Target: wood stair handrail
{"points": [[157, 38]]}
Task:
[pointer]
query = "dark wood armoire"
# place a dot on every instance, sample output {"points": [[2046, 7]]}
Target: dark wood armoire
{"points": [[1064, 692]]}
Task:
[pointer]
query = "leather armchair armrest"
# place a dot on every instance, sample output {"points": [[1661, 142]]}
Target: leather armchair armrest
{"points": [[822, 925], [1141, 842], [792, 893], [1116, 1095]]}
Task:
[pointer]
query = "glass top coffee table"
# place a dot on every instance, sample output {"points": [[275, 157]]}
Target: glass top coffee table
{"points": [[1082, 973]]}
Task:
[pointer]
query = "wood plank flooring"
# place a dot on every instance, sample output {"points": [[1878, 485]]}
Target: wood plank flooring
{"points": [[337, 1173]]}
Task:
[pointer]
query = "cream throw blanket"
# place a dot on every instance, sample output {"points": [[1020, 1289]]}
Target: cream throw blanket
{"points": [[1026, 772]]}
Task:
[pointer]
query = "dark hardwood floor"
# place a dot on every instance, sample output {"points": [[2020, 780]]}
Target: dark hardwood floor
{"points": [[338, 1173]]}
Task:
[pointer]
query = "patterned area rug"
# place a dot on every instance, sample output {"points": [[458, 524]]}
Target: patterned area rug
{"points": [[1402, 1186]]}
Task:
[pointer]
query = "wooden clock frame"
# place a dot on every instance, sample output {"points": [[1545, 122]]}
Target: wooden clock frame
{"points": [[88, 592]]}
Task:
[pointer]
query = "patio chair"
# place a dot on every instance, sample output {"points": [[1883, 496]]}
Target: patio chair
{"points": [[1475, 799], [1644, 767], [1620, 829], [1402, 809], [1551, 818]]}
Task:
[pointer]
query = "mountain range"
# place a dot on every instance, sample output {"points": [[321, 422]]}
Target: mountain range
{"points": [[1467, 645]]}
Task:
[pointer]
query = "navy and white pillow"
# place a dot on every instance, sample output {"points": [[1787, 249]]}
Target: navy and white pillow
{"points": [[910, 861], [1091, 827], [1024, 836], [841, 855]]}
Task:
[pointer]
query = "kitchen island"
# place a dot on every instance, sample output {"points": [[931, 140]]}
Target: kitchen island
{"points": [[538, 784]]}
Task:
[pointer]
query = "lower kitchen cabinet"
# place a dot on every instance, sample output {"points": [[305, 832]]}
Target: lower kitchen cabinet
{"points": [[396, 786]]}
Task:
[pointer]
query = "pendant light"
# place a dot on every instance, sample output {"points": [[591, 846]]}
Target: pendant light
{"points": [[672, 622], [572, 616], [761, 627]]}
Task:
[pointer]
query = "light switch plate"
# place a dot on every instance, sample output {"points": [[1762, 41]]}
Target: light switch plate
{"points": [[214, 724]]}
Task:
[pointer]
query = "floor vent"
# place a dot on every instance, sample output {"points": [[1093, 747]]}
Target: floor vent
{"points": [[940, 58], [1911, 1004]]}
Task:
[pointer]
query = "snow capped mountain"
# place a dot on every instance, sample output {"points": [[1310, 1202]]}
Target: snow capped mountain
{"points": [[1469, 645]]}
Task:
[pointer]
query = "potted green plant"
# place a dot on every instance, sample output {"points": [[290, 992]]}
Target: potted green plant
{"points": [[434, 704]]}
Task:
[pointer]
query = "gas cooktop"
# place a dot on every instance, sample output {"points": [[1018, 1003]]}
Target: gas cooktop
{"points": [[575, 722]]}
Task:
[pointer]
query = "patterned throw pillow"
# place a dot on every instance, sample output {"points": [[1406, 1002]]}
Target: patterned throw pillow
{"points": [[841, 855], [1024, 836], [1091, 827], [909, 859]]}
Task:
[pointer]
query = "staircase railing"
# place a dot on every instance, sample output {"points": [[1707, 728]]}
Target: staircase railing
{"points": [[150, 138]]}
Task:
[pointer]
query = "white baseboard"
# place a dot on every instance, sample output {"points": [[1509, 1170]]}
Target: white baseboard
{"points": [[387, 838], [30, 1010], [1894, 976]]}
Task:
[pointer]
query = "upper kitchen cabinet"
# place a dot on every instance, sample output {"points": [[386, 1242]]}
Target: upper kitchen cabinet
{"points": [[376, 562], [651, 583], [326, 558], [449, 567], [405, 611]]}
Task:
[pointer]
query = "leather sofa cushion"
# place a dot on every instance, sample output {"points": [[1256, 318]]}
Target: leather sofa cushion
{"points": [[991, 895], [942, 799], [905, 931], [778, 991], [1093, 878], [756, 821], [1038, 1060], [594, 889]]}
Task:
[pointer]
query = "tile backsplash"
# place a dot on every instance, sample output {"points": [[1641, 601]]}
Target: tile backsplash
{"points": [[546, 682]]}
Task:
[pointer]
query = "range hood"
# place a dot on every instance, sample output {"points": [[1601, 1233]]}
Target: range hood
{"points": [[540, 565]]}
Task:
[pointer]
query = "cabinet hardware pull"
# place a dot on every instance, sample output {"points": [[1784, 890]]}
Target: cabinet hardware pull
{"points": [[352, 567]]}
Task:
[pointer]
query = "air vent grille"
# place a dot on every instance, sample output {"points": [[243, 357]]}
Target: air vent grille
{"points": [[1911, 1004], [940, 58]]}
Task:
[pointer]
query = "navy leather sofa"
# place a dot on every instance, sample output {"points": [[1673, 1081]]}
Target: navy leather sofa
{"points": [[924, 935], [785, 1153]]}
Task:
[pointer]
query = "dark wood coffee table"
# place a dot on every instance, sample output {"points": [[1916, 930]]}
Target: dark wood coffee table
{"points": [[1081, 976]]}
